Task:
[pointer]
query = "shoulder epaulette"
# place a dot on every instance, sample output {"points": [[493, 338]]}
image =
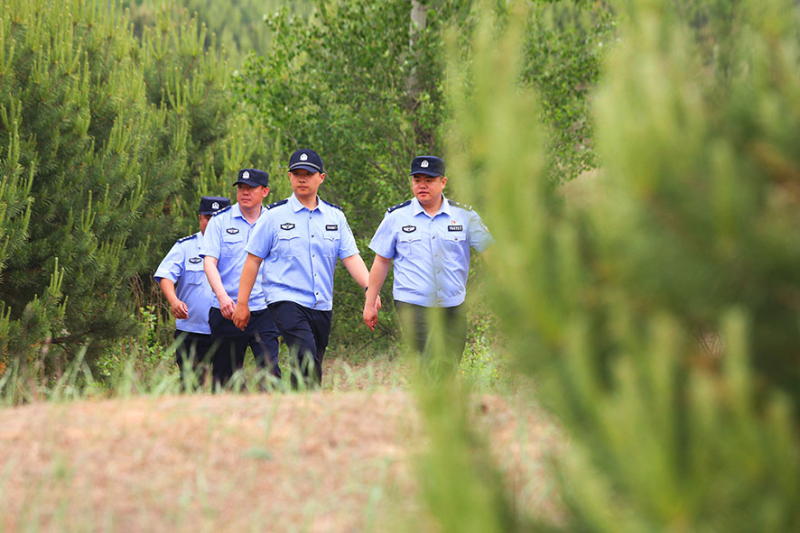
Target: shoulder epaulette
{"points": [[276, 204], [221, 210], [188, 237], [462, 206], [332, 205], [398, 206]]}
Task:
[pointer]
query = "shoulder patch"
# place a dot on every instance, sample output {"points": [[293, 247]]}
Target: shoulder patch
{"points": [[276, 204], [221, 211], [188, 237], [398, 206], [332, 205], [462, 206]]}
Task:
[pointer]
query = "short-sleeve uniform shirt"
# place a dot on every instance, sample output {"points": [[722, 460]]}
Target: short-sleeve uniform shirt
{"points": [[300, 248], [184, 267], [225, 238], [431, 253]]}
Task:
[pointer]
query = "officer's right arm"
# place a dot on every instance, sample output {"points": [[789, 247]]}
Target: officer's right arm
{"points": [[377, 275], [241, 315], [178, 308], [226, 304]]}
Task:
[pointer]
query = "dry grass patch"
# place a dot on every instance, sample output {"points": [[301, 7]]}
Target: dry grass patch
{"points": [[309, 462]]}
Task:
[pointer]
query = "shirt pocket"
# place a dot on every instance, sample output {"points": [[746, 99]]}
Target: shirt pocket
{"points": [[456, 244], [409, 245], [289, 243], [330, 243], [231, 244], [194, 272]]}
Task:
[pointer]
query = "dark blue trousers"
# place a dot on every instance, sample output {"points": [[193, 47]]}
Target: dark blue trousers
{"points": [[418, 324], [305, 332], [260, 334], [194, 351]]}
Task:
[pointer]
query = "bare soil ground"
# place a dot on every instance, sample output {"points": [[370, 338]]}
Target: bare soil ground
{"points": [[319, 462]]}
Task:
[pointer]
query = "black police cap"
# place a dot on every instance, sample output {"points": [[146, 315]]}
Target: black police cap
{"points": [[211, 204], [305, 159], [253, 177], [429, 165]]}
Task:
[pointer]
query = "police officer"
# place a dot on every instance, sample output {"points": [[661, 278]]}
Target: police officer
{"points": [[429, 239], [186, 288], [224, 255], [299, 241]]}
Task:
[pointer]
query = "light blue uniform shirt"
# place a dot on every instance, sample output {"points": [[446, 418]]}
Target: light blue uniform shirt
{"points": [[431, 254], [184, 267], [300, 248], [225, 238]]}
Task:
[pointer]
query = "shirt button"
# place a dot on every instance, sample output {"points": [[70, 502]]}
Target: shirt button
{"points": [[312, 255], [433, 237]]}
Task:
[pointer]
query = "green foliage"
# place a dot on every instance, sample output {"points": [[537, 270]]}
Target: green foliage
{"points": [[236, 26], [687, 235], [565, 44], [107, 143]]}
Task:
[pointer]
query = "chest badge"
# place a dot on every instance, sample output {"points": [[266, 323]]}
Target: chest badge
{"points": [[455, 227], [232, 231], [195, 260], [409, 229], [287, 226], [331, 227]]}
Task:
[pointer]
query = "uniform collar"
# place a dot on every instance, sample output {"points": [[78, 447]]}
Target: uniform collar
{"points": [[236, 211], [444, 208], [297, 206]]}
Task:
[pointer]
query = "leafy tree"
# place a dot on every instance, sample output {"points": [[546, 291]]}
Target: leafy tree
{"points": [[363, 85]]}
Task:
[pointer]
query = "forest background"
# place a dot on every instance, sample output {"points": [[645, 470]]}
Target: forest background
{"points": [[139, 108], [636, 161]]}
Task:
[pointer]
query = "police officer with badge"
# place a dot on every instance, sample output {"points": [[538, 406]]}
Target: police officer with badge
{"points": [[224, 255], [429, 239], [186, 288], [299, 240]]}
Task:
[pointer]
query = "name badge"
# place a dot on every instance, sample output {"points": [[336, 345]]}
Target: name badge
{"points": [[232, 231], [195, 260], [331, 227], [409, 229], [455, 228], [287, 226]]}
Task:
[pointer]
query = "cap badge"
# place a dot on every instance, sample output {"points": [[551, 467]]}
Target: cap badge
{"points": [[245, 175], [424, 163], [303, 157], [215, 206]]}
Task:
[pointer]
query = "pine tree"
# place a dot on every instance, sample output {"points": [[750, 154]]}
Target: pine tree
{"points": [[688, 235], [107, 142]]}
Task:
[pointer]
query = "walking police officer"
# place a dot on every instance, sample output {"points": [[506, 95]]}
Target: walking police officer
{"points": [[224, 255], [299, 240], [186, 288], [429, 239]]}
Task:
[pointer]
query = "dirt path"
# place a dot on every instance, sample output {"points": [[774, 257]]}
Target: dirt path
{"points": [[327, 462]]}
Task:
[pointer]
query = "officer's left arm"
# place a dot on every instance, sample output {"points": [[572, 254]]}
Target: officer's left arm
{"points": [[358, 270], [479, 236]]}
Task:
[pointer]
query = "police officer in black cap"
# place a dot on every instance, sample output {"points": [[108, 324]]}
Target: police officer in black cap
{"points": [[224, 255], [188, 292]]}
